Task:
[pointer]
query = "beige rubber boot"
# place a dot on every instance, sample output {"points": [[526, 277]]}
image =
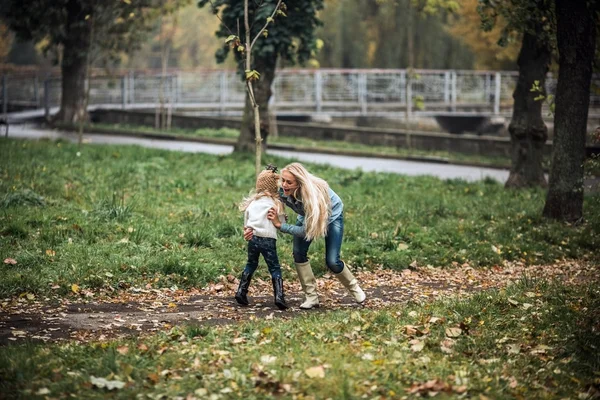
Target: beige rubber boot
{"points": [[309, 285], [351, 283]]}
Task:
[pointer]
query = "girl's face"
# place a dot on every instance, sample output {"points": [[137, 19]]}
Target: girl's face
{"points": [[288, 183]]}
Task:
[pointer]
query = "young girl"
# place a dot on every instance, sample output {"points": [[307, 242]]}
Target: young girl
{"points": [[256, 207], [320, 214]]}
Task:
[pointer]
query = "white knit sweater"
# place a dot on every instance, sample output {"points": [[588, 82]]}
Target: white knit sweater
{"points": [[255, 217]]}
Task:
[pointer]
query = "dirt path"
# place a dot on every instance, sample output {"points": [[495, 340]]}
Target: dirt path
{"points": [[91, 316]]}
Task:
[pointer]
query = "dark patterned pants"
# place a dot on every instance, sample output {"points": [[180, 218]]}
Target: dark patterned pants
{"points": [[268, 248]]}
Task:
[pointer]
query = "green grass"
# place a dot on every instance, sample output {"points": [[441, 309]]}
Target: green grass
{"points": [[305, 143], [113, 216], [533, 340]]}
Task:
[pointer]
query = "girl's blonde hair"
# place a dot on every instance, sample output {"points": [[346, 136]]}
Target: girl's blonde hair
{"points": [[254, 195], [314, 194], [267, 184]]}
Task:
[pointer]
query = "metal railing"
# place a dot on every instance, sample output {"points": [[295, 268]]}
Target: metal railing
{"points": [[337, 92]]}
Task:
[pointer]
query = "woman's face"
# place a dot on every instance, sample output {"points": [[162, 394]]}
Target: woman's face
{"points": [[288, 183]]}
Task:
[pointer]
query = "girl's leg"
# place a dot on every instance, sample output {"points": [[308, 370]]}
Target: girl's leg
{"points": [[253, 255], [269, 252], [251, 265]]}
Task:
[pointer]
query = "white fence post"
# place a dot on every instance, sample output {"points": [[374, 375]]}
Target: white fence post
{"points": [[454, 95], [47, 99], [318, 91], [409, 95], [131, 88], [362, 92], [497, 92], [124, 92], [4, 97], [447, 87], [222, 91]]}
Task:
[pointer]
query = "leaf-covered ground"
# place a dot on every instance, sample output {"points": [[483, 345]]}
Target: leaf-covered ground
{"points": [[88, 316]]}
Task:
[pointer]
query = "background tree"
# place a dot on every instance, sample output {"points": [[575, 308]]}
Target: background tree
{"points": [[465, 25], [6, 39], [534, 20], [577, 25], [66, 25], [168, 23], [373, 34], [291, 39]]}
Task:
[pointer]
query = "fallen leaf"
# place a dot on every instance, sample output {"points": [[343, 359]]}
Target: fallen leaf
{"points": [[417, 345], [75, 288], [513, 348], [11, 261], [268, 359], [315, 372], [513, 302], [453, 332], [104, 383]]}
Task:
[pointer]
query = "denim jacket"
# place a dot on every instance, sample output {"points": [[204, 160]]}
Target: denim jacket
{"points": [[337, 207]]}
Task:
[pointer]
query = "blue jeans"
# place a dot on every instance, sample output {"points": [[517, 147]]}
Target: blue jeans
{"points": [[333, 246], [268, 248]]}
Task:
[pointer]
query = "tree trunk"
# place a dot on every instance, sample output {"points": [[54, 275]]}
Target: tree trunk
{"points": [[74, 65], [262, 92], [576, 38], [528, 132]]}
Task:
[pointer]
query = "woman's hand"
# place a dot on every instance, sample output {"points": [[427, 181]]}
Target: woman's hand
{"points": [[248, 233], [273, 217]]}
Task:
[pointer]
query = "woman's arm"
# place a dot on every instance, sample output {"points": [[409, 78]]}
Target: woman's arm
{"points": [[296, 230]]}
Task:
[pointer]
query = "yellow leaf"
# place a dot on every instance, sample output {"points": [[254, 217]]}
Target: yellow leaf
{"points": [[30, 296], [315, 372], [75, 288]]}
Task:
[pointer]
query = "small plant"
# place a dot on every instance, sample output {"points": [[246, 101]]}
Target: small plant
{"points": [[542, 96], [24, 197], [113, 208]]}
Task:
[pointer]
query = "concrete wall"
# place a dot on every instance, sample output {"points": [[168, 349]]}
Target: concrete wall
{"points": [[430, 141]]}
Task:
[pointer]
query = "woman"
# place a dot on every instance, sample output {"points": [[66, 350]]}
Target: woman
{"points": [[320, 214]]}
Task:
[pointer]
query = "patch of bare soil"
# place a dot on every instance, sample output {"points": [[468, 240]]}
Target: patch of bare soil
{"points": [[100, 316]]}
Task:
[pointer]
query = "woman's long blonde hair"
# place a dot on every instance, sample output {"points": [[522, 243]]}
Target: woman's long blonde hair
{"points": [[314, 194]]}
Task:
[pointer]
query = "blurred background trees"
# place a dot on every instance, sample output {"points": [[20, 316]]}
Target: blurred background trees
{"points": [[354, 34]]}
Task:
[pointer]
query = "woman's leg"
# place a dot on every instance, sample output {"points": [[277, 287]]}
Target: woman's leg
{"points": [[333, 245], [305, 273]]}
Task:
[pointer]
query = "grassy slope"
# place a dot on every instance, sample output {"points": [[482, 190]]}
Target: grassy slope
{"points": [[128, 215]]}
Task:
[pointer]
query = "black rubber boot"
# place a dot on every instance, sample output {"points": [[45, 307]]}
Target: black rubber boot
{"points": [[278, 290], [242, 291]]}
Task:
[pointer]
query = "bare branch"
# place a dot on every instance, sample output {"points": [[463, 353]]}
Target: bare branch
{"points": [[222, 23]]}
